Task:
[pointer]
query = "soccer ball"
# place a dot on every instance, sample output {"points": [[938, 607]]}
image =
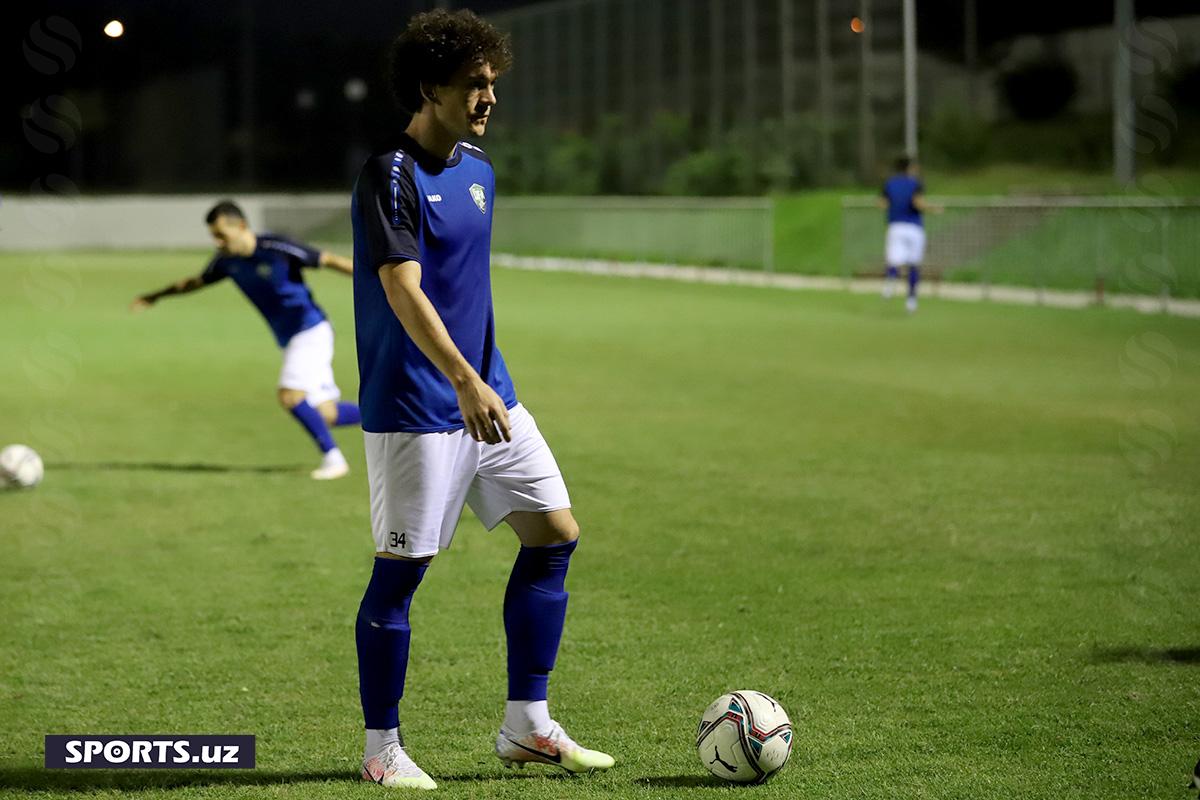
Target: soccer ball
{"points": [[20, 466], [744, 737]]}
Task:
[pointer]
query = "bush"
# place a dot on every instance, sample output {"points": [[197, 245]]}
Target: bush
{"points": [[572, 166], [956, 139], [711, 172], [1039, 89], [1073, 141], [1185, 88]]}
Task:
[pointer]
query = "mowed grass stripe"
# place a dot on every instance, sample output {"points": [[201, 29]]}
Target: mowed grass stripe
{"points": [[937, 540]]}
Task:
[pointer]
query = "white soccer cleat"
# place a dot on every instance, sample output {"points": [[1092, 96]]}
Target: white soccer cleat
{"points": [[393, 769], [911, 304], [333, 466], [555, 748]]}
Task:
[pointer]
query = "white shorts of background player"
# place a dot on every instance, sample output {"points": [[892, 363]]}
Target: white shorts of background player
{"points": [[905, 244], [308, 365]]}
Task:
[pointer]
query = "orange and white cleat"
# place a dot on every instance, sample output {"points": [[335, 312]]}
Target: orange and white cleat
{"points": [[393, 769], [554, 748]]}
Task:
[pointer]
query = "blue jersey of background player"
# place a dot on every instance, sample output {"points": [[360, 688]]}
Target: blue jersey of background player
{"points": [[903, 196], [268, 270], [441, 423]]}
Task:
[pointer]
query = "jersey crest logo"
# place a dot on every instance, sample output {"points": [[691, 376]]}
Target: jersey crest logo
{"points": [[264, 270], [479, 197]]}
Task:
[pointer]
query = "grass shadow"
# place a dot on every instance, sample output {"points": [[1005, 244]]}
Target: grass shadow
{"points": [[681, 782], [1146, 655], [39, 779], [164, 466], [502, 777]]}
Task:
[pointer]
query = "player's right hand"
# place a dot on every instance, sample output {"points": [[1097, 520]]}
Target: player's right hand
{"points": [[140, 304], [484, 413]]}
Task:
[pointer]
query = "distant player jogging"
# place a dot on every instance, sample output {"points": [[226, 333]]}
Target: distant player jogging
{"points": [[441, 420], [267, 268], [903, 196]]}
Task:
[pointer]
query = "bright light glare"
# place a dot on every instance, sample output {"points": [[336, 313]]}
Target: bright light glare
{"points": [[114, 29]]}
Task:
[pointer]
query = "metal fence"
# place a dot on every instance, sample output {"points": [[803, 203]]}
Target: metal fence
{"points": [[730, 232], [1133, 245]]}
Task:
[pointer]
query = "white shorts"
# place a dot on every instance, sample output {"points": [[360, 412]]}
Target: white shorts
{"points": [[308, 364], [905, 244], [420, 481]]}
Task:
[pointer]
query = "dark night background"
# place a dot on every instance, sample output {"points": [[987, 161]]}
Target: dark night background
{"points": [[314, 45]]}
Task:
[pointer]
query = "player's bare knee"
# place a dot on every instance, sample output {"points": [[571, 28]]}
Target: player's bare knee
{"points": [[290, 398], [329, 412], [561, 530], [567, 530]]}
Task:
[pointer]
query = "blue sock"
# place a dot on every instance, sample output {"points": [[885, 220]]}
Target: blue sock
{"points": [[535, 607], [348, 414], [382, 635], [914, 276], [893, 272], [314, 423]]}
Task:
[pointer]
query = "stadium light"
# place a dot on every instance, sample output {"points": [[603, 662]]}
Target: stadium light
{"points": [[355, 90], [114, 29]]}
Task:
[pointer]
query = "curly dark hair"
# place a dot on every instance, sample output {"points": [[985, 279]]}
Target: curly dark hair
{"points": [[435, 45]]}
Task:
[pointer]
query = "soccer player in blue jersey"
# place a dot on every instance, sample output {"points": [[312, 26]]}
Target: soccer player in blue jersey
{"points": [[903, 196], [441, 420], [267, 268]]}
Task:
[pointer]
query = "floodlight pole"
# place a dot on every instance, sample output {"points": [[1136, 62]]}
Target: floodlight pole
{"points": [[910, 78], [824, 90], [787, 60], [685, 27], [1123, 108], [971, 51], [866, 117], [749, 58], [716, 71]]}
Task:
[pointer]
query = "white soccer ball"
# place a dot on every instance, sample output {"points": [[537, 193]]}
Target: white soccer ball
{"points": [[744, 737], [20, 467]]}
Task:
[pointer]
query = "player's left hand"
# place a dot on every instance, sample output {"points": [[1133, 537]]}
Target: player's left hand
{"points": [[483, 413]]}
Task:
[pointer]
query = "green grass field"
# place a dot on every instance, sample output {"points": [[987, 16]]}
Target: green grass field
{"points": [[959, 547]]}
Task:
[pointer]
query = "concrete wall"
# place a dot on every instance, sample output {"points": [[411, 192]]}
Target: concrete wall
{"points": [[135, 221]]}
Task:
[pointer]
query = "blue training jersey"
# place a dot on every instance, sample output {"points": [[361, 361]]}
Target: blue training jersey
{"points": [[899, 190], [411, 206], [272, 281]]}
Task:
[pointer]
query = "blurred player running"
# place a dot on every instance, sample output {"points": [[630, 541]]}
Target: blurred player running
{"points": [[441, 420], [903, 196], [267, 268]]}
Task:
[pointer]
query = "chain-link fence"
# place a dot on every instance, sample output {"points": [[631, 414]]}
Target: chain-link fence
{"points": [[731, 232], [1116, 244], [728, 232]]}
